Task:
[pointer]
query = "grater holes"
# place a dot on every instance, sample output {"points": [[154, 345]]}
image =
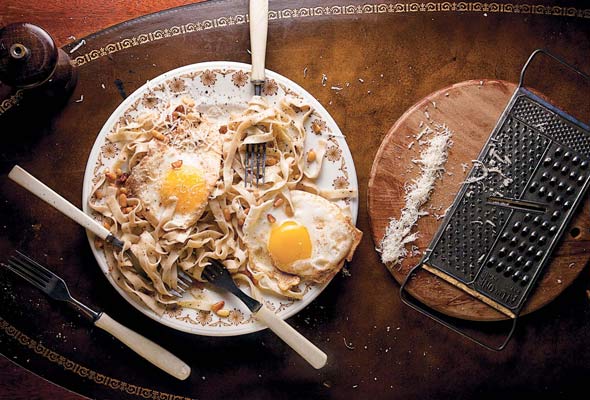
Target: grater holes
{"points": [[575, 232]]}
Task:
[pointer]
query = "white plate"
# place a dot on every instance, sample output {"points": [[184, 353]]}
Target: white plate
{"points": [[226, 85]]}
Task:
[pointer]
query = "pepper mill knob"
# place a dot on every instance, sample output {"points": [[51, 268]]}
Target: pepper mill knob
{"points": [[29, 59]]}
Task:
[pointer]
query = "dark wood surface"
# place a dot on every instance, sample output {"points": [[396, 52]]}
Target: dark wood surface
{"points": [[66, 21], [378, 348]]}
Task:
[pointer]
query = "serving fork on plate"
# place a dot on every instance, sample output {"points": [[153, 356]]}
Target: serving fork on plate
{"points": [[55, 287], [255, 158]]}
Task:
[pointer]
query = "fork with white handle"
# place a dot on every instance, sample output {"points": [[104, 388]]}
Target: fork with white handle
{"points": [[294, 339], [53, 286], [255, 157], [217, 275]]}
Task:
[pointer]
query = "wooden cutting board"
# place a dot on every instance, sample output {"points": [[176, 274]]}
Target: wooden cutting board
{"points": [[470, 109]]}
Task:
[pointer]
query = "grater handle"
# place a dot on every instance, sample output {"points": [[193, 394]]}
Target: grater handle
{"points": [[423, 309], [534, 54]]}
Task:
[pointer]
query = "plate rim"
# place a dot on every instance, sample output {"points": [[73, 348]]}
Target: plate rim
{"points": [[115, 115]]}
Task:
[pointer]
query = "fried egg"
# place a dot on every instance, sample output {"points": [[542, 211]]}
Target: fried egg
{"points": [[174, 182], [312, 242]]}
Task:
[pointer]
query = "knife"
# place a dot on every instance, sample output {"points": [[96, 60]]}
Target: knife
{"points": [[154, 353], [45, 193]]}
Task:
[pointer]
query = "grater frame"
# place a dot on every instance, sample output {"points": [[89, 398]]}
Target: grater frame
{"points": [[510, 313]]}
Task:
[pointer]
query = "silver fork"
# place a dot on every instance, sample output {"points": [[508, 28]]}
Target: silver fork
{"points": [[254, 163], [45, 193], [55, 287], [218, 275], [255, 160], [183, 282]]}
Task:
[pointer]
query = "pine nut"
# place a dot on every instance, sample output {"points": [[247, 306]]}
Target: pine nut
{"points": [[278, 202], [156, 134], [176, 164], [223, 313], [217, 306], [316, 128], [227, 214]]}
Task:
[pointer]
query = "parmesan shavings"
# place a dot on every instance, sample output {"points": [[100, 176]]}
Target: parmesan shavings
{"points": [[399, 231], [76, 47]]}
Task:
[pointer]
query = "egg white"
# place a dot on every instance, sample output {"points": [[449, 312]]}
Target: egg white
{"points": [[333, 237], [150, 174]]}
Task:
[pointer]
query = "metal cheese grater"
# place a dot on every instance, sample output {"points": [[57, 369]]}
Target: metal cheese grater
{"points": [[514, 206]]}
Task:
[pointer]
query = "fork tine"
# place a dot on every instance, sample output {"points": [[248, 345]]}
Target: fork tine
{"points": [[32, 270], [184, 278], [181, 285], [246, 165], [38, 266], [263, 162], [252, 163], [25, 275], [258, 157]]}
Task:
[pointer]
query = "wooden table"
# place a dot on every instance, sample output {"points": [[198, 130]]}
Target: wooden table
{"points": [[385, 347], [66, 21]]}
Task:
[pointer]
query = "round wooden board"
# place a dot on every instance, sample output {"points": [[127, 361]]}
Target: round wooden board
{"points": [[470, 109]]}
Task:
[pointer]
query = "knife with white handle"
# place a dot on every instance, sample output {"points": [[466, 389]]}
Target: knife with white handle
{"points": [[152, 352], [45, 193]]}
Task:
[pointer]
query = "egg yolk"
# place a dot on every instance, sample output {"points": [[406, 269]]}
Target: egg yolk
{"points": [[288, 243], [187, 184]]}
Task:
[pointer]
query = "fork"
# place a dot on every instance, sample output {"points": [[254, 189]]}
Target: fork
{"points": [[255, 163], [55, 287], [45, 193], [255, 160], [216, 274]]}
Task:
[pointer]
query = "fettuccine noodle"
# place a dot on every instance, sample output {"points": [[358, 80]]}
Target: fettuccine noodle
{"points": [[162, 248]]}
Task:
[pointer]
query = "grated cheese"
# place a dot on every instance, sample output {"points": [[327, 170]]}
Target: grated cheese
{"points": [[76, 47], [399, 231]]}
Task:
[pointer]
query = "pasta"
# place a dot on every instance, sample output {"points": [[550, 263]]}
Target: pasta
{"points": [[164, 244]]}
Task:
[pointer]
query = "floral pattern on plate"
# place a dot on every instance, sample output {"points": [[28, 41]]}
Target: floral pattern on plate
{"points": [[225, 86]]}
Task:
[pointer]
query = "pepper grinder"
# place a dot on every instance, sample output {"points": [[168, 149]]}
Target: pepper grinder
{"points": [[30, 60]]}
